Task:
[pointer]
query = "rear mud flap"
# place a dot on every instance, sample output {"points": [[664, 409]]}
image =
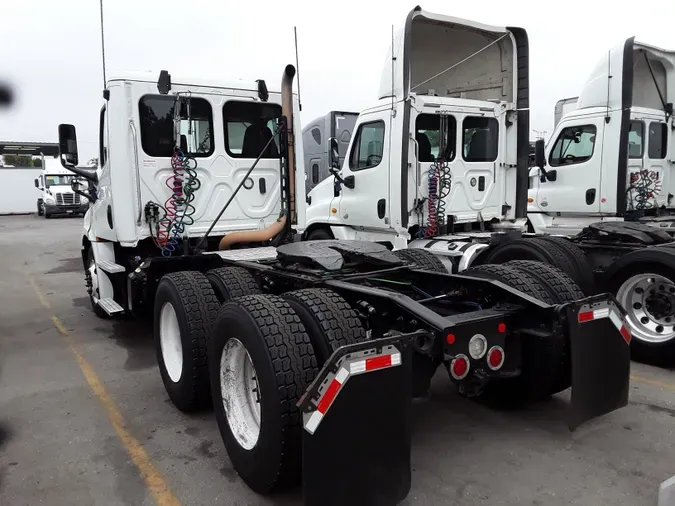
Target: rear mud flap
{"points": [[356, 426], [600, 357]]}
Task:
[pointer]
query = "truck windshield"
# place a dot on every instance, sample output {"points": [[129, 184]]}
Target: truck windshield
{"points": [[58, 180]]}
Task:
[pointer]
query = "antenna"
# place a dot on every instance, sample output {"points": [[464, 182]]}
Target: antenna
{"points": [[297, 64], [102, 46]]}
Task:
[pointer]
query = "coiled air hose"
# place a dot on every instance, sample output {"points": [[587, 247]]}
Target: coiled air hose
{"points": [[179, 210], [440, 184], [644, 186]]}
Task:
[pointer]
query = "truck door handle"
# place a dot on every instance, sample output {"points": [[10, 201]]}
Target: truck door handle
{"points": [[590, 196], [381, 208]]}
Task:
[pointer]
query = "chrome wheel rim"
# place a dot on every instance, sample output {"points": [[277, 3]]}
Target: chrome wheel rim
{"points": [[170, 343], [649, 300], [94, 280], [240, 393]]}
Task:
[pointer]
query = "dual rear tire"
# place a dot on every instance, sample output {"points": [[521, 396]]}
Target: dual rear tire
{"points": [[251, 358]]}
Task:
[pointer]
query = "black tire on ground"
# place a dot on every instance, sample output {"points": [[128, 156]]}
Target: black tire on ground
{"points": [[320, 234], [535, 249], [578, 258], [329, 319], [196, 306], [422, 259], [231, 282], [560, 287], [39, 208], [98, 310], [282, 355], [545, 361], [659, 353]]}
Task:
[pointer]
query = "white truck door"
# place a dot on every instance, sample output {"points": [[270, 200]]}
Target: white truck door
{"points": [[577, 165], [366, 205]]}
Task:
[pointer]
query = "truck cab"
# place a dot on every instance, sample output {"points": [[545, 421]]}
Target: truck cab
{"points": [[611, 158], [446, 144], [181, 159]]}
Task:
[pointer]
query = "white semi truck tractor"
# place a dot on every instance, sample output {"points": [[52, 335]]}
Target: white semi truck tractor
{"points": [[56, 194], [310, 351], [440, 164]]}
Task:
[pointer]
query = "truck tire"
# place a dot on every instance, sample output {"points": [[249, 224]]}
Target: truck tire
{"points": [[578, 258], [320, 234], [559, 286], [185, 307], [422, 259], [545, 366], [536, 249], [40, 210], [329, 319], [231, 282], [647, 293], [261, 362], [512, 277]]}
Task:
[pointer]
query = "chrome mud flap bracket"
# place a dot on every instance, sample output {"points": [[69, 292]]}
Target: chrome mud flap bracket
{"points": [[600, 357], [356, 425]]}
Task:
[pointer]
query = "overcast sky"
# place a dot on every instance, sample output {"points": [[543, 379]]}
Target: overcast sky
{"points": [[51, 50]]}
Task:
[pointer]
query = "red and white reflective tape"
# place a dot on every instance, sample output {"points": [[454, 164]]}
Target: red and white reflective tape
{"points": [[348, 368], [606, 312], [375, 363]]}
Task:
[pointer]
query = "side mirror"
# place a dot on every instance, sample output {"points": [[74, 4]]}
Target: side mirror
{"points": [[539, 155], [68, 146], [552, 175], [334, 153], [37, 183]]}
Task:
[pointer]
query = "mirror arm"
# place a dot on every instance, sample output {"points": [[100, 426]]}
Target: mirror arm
{"points": [[89, 176]]}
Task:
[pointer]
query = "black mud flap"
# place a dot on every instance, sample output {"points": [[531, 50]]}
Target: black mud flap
{"points": [[356, 420], [600, 356]]}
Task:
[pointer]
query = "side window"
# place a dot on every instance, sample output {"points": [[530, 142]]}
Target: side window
{"points": [[428, 137], [574, 145], [658, 141], [316, 134], [102, 139], [157, 113], [480, 139], [368, 146], [248, 128], [636, 134]]}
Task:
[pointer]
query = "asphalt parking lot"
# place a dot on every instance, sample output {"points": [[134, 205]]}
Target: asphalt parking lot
{"points": [[84, 418]]}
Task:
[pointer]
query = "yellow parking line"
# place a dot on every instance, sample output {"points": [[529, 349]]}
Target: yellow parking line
{"points": [[654, 383], [153, 479]]}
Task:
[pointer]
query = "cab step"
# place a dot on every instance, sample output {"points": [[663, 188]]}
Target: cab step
{"points": [[110, 267], [110, 306]]}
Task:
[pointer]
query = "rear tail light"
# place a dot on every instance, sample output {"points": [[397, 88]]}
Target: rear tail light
{"points": [[495, 357], [459, 367]]}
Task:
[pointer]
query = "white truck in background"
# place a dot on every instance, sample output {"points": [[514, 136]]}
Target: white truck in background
{"points": [[440, 163], [56, 193], [334, 130], [611, 155]]}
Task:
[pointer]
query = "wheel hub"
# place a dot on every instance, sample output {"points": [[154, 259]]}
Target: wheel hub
{"points": [[649, 300], [240, 392], [170, 342]]}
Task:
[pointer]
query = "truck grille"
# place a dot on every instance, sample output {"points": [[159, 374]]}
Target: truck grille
{"points": [[67, 199]]}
